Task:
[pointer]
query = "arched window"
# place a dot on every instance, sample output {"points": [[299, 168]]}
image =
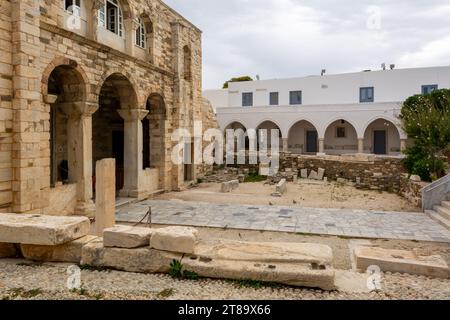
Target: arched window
{"points": [[140, 38], [110, 17], [73, 7], [187, 63]]}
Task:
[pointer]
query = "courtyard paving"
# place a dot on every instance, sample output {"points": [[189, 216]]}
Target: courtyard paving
{"points": [[339, 222]]}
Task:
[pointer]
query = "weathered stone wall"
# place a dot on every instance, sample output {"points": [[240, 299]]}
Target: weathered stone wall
{"points": [[34, 42], [209, 121], [6, 112], [377, 173], [410, 189]]}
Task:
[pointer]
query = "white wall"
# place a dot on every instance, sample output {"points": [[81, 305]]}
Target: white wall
{"points": [[390, 85], [218, 98]]}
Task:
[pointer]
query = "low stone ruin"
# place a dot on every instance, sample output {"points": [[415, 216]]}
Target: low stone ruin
{"points": [[137, 249], [229, 186]]}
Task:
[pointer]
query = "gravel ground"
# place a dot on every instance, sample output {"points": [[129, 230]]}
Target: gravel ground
{"points": [[21, 280]]}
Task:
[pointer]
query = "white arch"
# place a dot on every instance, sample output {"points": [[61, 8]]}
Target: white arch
{"points": [[293, 123], [233, 121], [270, 120], [401, 133], [325, 128]]}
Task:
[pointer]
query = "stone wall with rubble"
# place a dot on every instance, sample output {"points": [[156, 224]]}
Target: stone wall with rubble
{"points": [[209, 121], [411, 190], [6, 110], [34, 42]]}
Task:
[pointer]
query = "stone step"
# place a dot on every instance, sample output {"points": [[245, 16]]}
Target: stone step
{"points": [[438, 218], [446, 204], [402, 261], [41, 229], [443, 211]]}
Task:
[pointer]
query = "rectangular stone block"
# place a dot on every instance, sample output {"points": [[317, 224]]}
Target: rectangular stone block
{"points": [[293, 274], [175, 239], [281, 187], [401, 261], [41, 229], [144, 260], [127, 237], [105, 195], [313, 175], [320, 174], [304, 173], [229, 186], [68, 252]]}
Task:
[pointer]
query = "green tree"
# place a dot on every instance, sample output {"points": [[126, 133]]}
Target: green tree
{"points": [[426, 119], [238, 79]]}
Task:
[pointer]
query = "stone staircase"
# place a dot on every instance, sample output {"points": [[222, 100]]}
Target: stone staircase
{"points": [[441, 213]]}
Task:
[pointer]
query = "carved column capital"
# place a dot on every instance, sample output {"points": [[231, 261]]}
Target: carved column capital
{"points": [[132, 114]]}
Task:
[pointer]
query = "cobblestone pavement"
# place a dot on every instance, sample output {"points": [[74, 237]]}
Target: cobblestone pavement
{"points": [[338, 222]]}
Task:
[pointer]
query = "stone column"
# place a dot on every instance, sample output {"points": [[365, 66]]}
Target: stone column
{"points": [[360, 145], [403, 145], [321, 146], [79, 140], [105, 195], [131, 26], [133, 151], [93, 19], [285, 145]]}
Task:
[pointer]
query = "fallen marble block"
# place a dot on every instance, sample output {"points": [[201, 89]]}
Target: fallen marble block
{"points": [[127, 237], [68, 252], [281, 186], [401, 261], [313, 175], [143, 260], [174, 239], [42, 229]]}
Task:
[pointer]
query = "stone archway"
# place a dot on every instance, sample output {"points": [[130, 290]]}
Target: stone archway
{"points": [[382, 137], [117, 132], [303, 138], [66, 90], [268, 126], [154, 135], [340, 138], [240, 134]]}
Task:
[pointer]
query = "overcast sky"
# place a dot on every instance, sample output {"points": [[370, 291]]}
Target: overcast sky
{"points": [[290, 38]]}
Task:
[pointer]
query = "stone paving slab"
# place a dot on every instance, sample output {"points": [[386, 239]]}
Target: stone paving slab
{"points": [[340, 222]]}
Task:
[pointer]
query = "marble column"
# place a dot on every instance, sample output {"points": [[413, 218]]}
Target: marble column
{"points": [[285, 145], [360, 145], [79, 140], [321, 146], [133, 137]]}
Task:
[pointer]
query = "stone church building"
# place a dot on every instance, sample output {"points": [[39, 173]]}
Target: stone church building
{"points": [[83, 80]]}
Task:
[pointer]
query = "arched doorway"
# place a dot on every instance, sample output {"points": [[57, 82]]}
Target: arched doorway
{"points": [[241, 139], [108, 138], [382, 137], [266, 128], [341, 138], [154, 133], [67, 85], [303, 138]]}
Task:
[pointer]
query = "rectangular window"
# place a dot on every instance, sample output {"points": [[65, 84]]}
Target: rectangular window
{"points": [[247, 99], [295, 97], [274, 99], [340, 132], [429, 88], [366, 94], [101, 17], [73, 6]]}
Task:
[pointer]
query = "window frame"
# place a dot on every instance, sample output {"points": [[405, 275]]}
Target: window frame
{"points": [[74, 4], [427, 87], [247, 94], [271, 95], [291, 102], [104, 18], [344, 131], [140, 35], [366, 99]]}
